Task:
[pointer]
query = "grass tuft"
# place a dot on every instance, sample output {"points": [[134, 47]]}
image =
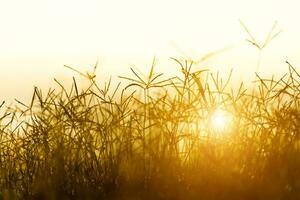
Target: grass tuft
{"points": [[155, 139]]}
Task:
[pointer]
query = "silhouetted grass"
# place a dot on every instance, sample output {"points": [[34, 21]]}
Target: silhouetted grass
{"points": [[153, 139]]}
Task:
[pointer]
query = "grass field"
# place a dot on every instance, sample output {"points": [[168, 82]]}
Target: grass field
{"points": [[177, 138]]}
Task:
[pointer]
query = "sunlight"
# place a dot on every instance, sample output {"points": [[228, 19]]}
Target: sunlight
{"points": [[220, 120]]}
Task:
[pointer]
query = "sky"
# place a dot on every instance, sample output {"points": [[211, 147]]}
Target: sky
{"points": [[38, 37]]}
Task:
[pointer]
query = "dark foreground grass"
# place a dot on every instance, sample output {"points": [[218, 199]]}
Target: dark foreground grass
{"points": [[154, 139]]}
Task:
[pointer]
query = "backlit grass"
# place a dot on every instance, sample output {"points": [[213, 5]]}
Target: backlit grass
{"points": [[186, 137]]}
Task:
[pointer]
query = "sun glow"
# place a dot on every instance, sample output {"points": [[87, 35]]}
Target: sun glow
{"points": [[220, 120]]}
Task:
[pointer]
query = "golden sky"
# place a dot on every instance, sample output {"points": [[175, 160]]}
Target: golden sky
{"points": [[37, 37]]}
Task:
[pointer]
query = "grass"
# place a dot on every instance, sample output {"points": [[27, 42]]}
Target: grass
{"points": [[153, 139], [261, 46]]}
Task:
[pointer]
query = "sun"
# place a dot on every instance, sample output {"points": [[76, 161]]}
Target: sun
{"points": [[220, 120]]}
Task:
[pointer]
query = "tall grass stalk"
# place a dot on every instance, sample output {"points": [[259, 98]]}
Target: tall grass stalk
{"points": [[153, 139]]}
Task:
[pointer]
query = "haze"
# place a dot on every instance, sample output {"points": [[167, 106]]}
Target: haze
{"points": [[38, 37]]}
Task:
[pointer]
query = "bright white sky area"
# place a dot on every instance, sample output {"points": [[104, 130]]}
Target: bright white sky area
{"points": [[37, 37]]}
